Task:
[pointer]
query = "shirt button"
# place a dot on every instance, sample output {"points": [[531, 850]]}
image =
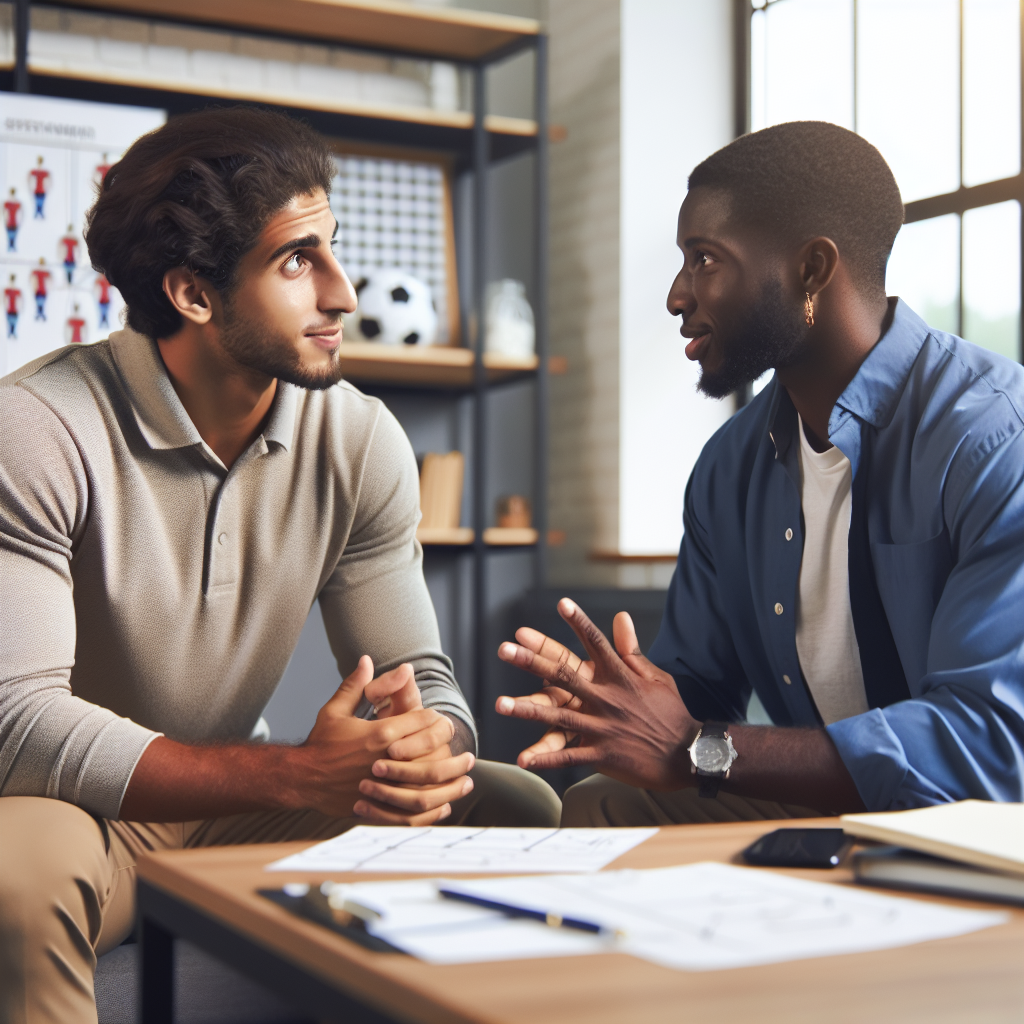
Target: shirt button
{"points": [[778, 609], [222, 538], [787, 680], [789, 535]]}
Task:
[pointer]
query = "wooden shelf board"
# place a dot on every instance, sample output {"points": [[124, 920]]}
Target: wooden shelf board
{"points": [[459, 119], [508, 536], [616, 556], [462, 536], [432, 366], [458, 536], [438, 33]]}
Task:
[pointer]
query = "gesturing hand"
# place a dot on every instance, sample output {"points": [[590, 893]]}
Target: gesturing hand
{"points": [[631, 722], [407, 744]]}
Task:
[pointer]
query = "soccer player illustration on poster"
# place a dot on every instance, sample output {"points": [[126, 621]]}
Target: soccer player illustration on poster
{"points": [[102, 168], [39, 174], [103, 300], [12, 220], [12, 303], [70, 244], [41, 276], [76, 325]]}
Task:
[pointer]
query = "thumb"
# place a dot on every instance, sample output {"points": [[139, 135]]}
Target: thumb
{"points": [[346, 699]]}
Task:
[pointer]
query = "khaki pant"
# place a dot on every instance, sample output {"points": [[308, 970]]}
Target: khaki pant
{"points": [[600, 801], [67, 880]]}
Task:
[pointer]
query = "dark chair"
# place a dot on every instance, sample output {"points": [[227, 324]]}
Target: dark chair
{"points": [[205, 991]]}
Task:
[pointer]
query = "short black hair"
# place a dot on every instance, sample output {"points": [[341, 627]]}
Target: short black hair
{"points": [[807, 178], [197, 192]]}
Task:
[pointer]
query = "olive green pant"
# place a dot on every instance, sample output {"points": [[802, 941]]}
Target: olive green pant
{"points": [[603, 802], [67, 880]]}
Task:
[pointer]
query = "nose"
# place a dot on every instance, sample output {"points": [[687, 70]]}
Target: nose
{"points": [[336, 291], [680, 300]]}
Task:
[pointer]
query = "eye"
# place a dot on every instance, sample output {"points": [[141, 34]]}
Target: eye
{"points": [[702, 259], [294, 263]]}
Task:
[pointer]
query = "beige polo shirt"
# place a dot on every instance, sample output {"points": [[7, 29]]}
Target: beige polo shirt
{"points": [[146, 589]]}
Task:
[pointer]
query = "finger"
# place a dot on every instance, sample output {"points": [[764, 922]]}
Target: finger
{"points": [[596, 643], [577, 681], [381, 814], [394, 692], [544, 646], [424, 773], [347, 697], [423, 742], [391, 730], [568, 757], [417, 799], [559, 718], [555, 739]]}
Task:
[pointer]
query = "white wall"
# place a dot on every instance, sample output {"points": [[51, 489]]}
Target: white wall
{"points": [[676, 90]]}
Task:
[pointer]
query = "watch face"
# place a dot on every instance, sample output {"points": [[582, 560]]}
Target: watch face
{"points": [[713, 754]]}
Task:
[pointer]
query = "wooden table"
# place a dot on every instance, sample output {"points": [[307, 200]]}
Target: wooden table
{"points": [[209, 897]]}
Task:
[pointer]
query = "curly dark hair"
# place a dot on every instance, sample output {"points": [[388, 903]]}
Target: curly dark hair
{"points": [[197, 192], [807, 178]]}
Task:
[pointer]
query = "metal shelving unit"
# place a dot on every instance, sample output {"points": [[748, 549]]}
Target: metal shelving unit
{"points": [[474, 140]]}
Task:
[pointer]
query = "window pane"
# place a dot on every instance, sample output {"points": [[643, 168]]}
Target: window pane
{"points": [[801, 66], [924, 270], [908, 91], [992, 277], [991, 90]]}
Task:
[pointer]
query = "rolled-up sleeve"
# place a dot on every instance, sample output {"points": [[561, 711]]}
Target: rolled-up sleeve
{"points": [[52, 744], [961, 736]]}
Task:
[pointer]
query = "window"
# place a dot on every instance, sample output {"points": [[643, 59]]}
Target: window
{"points": [[936, 86]]}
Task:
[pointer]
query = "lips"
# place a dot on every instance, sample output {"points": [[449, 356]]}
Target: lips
{"points": [[327, 340], [697, 346]]}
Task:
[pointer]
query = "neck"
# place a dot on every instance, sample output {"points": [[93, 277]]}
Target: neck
{"points": [[227, 402], [847, 326]]}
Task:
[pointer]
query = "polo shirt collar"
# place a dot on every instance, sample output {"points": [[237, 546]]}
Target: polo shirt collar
{"points": [[158, 411]]}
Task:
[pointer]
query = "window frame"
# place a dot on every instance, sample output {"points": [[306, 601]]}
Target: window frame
{"points": [[966, 197]]}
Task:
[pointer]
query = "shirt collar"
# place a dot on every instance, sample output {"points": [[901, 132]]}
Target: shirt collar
{"points": [[874, 392], [158, 411]]}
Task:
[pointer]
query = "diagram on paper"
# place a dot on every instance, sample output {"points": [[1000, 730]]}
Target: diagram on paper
{"points": [[455, 849]]}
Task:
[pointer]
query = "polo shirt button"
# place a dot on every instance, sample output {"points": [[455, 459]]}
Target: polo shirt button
{"points": [[789, 535], [778, 608], [222, 538], [787, 680]]}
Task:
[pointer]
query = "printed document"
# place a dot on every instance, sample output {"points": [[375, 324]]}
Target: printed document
{"points": [[697, 917], [455, 849]]}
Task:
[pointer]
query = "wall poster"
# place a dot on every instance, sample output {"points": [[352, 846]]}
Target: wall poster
{"points": [[53, 156]]}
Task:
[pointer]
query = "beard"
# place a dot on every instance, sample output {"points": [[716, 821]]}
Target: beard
{"points": [[770, 336], [253, 345]]}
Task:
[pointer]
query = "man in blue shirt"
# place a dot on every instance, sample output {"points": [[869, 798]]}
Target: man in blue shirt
{"points": [[853, 546]]}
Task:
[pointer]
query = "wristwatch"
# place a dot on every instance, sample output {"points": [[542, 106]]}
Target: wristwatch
{"points": [[712, 755]]}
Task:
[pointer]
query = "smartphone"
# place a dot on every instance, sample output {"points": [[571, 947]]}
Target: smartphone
{"points": [[798, 848]]}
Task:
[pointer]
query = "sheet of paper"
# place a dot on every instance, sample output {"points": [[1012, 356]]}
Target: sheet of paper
{"points": [[696, 917], [455, 849]]}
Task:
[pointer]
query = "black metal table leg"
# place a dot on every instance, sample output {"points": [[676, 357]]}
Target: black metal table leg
{"points": [[156, 993]]}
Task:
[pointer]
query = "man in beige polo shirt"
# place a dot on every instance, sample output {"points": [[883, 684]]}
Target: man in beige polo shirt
{"points": [[172, 501]]}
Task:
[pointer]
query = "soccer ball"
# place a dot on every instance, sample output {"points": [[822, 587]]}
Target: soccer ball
{"points": [[394, 308]]}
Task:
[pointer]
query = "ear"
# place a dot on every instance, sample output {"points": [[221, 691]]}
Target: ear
{"points": [[819, 259], [188, 294]]}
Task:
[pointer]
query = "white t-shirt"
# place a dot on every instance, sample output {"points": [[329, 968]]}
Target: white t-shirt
{"points": [[825, 638]]}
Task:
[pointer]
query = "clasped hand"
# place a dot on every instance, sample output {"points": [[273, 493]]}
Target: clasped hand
{"points": [[406, 745], [616, 712]]}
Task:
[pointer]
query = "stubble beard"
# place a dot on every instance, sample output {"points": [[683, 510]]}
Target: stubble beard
{"points": [[252, 345], [769, 337]]}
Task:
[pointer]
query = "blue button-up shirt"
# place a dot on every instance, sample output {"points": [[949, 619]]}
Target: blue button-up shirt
{"points": [[935, 427]]}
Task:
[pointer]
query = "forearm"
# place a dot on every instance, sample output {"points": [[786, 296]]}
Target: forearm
{"points": [[791, 766], [175, 782], [463, 739]]}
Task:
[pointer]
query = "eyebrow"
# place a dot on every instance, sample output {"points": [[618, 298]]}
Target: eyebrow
{"points": [[689, 243], [310, 241]]}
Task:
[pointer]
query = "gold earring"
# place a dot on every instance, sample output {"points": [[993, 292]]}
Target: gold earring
{"points": [[808, 309]]}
